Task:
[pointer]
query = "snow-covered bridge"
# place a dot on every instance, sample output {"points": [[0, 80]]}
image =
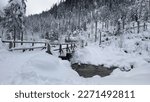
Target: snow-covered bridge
{"points": [[65, 49]]}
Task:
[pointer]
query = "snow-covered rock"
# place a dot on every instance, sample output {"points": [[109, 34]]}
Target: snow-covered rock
{"points": [[108, 56]]}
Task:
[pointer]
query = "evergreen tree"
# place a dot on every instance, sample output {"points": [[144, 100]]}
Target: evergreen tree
{"points": [[14, 14]]}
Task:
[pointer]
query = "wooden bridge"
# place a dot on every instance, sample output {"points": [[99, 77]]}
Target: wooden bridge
{"points": [[65, 49]]}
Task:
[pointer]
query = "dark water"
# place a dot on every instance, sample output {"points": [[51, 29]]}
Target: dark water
{"points": [[87, 70]]}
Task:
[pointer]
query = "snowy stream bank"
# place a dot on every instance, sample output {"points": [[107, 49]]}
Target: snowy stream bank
{"points": [[40, 68]]}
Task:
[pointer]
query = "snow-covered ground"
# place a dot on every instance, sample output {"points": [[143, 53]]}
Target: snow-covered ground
{"points": [[38, 67]]}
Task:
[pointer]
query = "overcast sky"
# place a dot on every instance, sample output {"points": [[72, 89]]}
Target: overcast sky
{"points": [[34, 6]]}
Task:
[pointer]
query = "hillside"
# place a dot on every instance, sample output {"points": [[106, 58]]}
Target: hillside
{"points": [[85, 16]]}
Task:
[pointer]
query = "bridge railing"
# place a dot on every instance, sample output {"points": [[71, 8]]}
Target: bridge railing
{"points": [[63, 47], [12, 44]]}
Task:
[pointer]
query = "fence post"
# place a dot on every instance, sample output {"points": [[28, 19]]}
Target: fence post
{"points": [[10, 45], [45, 45], [60, 49], [32, 45], [74, 47], [71, 46], [49, 49], [67, 48], [22, 38]]}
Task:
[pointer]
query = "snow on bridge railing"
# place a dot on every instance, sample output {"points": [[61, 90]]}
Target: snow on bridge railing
{"points": [[9, 41], [69, 47], [12, 45]]}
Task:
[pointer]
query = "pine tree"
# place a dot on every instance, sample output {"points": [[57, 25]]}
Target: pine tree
{"points": [[14, 19]]}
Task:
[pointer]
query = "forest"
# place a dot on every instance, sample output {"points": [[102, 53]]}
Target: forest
{"points": [[73, 17], [85, 16]]}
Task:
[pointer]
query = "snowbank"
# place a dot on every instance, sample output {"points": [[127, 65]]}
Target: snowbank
{"points": [[40, 68], [34, 68], [108, 56]]}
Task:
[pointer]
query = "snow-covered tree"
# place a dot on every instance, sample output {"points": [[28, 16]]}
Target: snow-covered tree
{"points": [[14, 19]]}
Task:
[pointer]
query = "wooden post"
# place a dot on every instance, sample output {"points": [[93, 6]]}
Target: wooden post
{"points": [[74, 47], [32, 45], [21, 38], [24, 50], [71, 46], [45, 45], [67, 48], [10, 45], [60, 49], [49, 49]]}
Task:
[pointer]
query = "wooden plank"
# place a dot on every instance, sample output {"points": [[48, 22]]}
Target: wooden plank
{"points": [[59, 49], [28, 48], [61, 43], [8, 41]]}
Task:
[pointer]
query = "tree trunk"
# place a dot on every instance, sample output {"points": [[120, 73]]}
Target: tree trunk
{"points": [[144, 27], [123, 24], [79, 18], [118, 28], [2, 34], [138, 24], [92, 28], [103, 25], [149, 5], [100, 38], [14, 36], [133, 28], [95, 30], [49, 49]]}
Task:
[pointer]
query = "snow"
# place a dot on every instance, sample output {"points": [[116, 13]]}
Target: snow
{"points": [[33, 68], [38, 67], [107, 56], [123, 54], [130, 52]]}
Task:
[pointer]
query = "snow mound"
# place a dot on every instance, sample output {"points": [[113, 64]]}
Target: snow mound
{"points": [[41, 68], [32, 68], [108, 56]]}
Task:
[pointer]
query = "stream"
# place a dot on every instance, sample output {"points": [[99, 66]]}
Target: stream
{"points": [[88, 70]]}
